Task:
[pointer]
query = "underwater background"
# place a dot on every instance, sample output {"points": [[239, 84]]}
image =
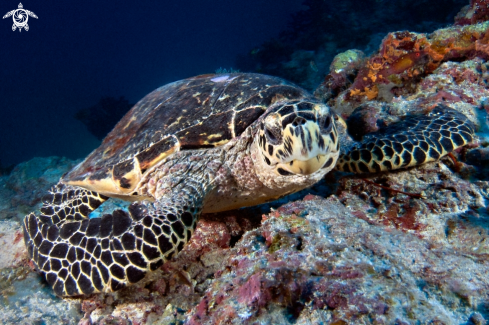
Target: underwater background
{"points": [[78, 52], [407, 247]]}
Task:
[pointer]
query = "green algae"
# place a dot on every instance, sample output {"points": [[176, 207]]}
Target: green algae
{"points": [[8, 277]]}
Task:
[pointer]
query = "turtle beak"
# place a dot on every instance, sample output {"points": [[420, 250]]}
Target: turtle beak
{"points": [[307, 167]]}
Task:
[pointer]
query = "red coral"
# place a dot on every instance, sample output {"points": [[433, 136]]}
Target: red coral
{"points": [[252, 294], [346, 272], [200, 312], [18, 236], [476, 12], [405, 58]]}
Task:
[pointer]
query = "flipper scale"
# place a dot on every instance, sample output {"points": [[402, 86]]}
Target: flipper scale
{"points": [[416, 140]]}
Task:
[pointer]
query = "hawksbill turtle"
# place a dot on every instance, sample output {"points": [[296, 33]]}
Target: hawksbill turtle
{"points": [[206, 144], [20, 17]]}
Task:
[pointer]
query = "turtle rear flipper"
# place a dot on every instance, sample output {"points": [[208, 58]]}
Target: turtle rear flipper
{"points": [[414, 141], [14, 27], [26, 27], [83, 256]]}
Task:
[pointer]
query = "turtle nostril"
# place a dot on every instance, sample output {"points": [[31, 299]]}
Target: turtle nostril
{"points": [[327, 122]]}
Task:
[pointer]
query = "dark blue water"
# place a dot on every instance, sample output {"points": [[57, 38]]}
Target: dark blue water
{"points": [[78, 52]]}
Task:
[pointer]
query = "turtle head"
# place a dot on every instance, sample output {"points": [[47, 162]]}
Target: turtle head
{"points": [[298, 138]]}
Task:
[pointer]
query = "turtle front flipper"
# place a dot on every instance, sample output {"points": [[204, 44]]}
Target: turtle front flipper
{"points": [[414, 141], [68, 203], [82, 256]]}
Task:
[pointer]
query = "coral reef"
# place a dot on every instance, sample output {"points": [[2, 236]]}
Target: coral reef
{"points": [[343, 71], [27, 183], [102, 117], [325, 28], [316, 262], [26, 298], [404, 59], [5, 170], [476, 12], [403, 247]]}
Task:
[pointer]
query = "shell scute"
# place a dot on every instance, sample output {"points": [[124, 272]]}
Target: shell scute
{"points": [[155, 153]]}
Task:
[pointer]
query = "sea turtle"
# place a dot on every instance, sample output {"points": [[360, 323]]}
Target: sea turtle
{"points": [[20, 17], [205, 144]]}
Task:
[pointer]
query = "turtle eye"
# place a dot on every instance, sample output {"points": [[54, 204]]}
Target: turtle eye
{"points": [[270, 136], [272, 129]]}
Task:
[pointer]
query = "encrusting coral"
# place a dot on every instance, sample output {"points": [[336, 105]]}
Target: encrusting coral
{"points": [[405, 58]]}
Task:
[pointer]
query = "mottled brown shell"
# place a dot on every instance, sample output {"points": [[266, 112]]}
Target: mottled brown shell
{"points": [[195, 113]]}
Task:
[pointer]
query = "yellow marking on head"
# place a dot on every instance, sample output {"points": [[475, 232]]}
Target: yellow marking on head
{"points": [[305, 167]]}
